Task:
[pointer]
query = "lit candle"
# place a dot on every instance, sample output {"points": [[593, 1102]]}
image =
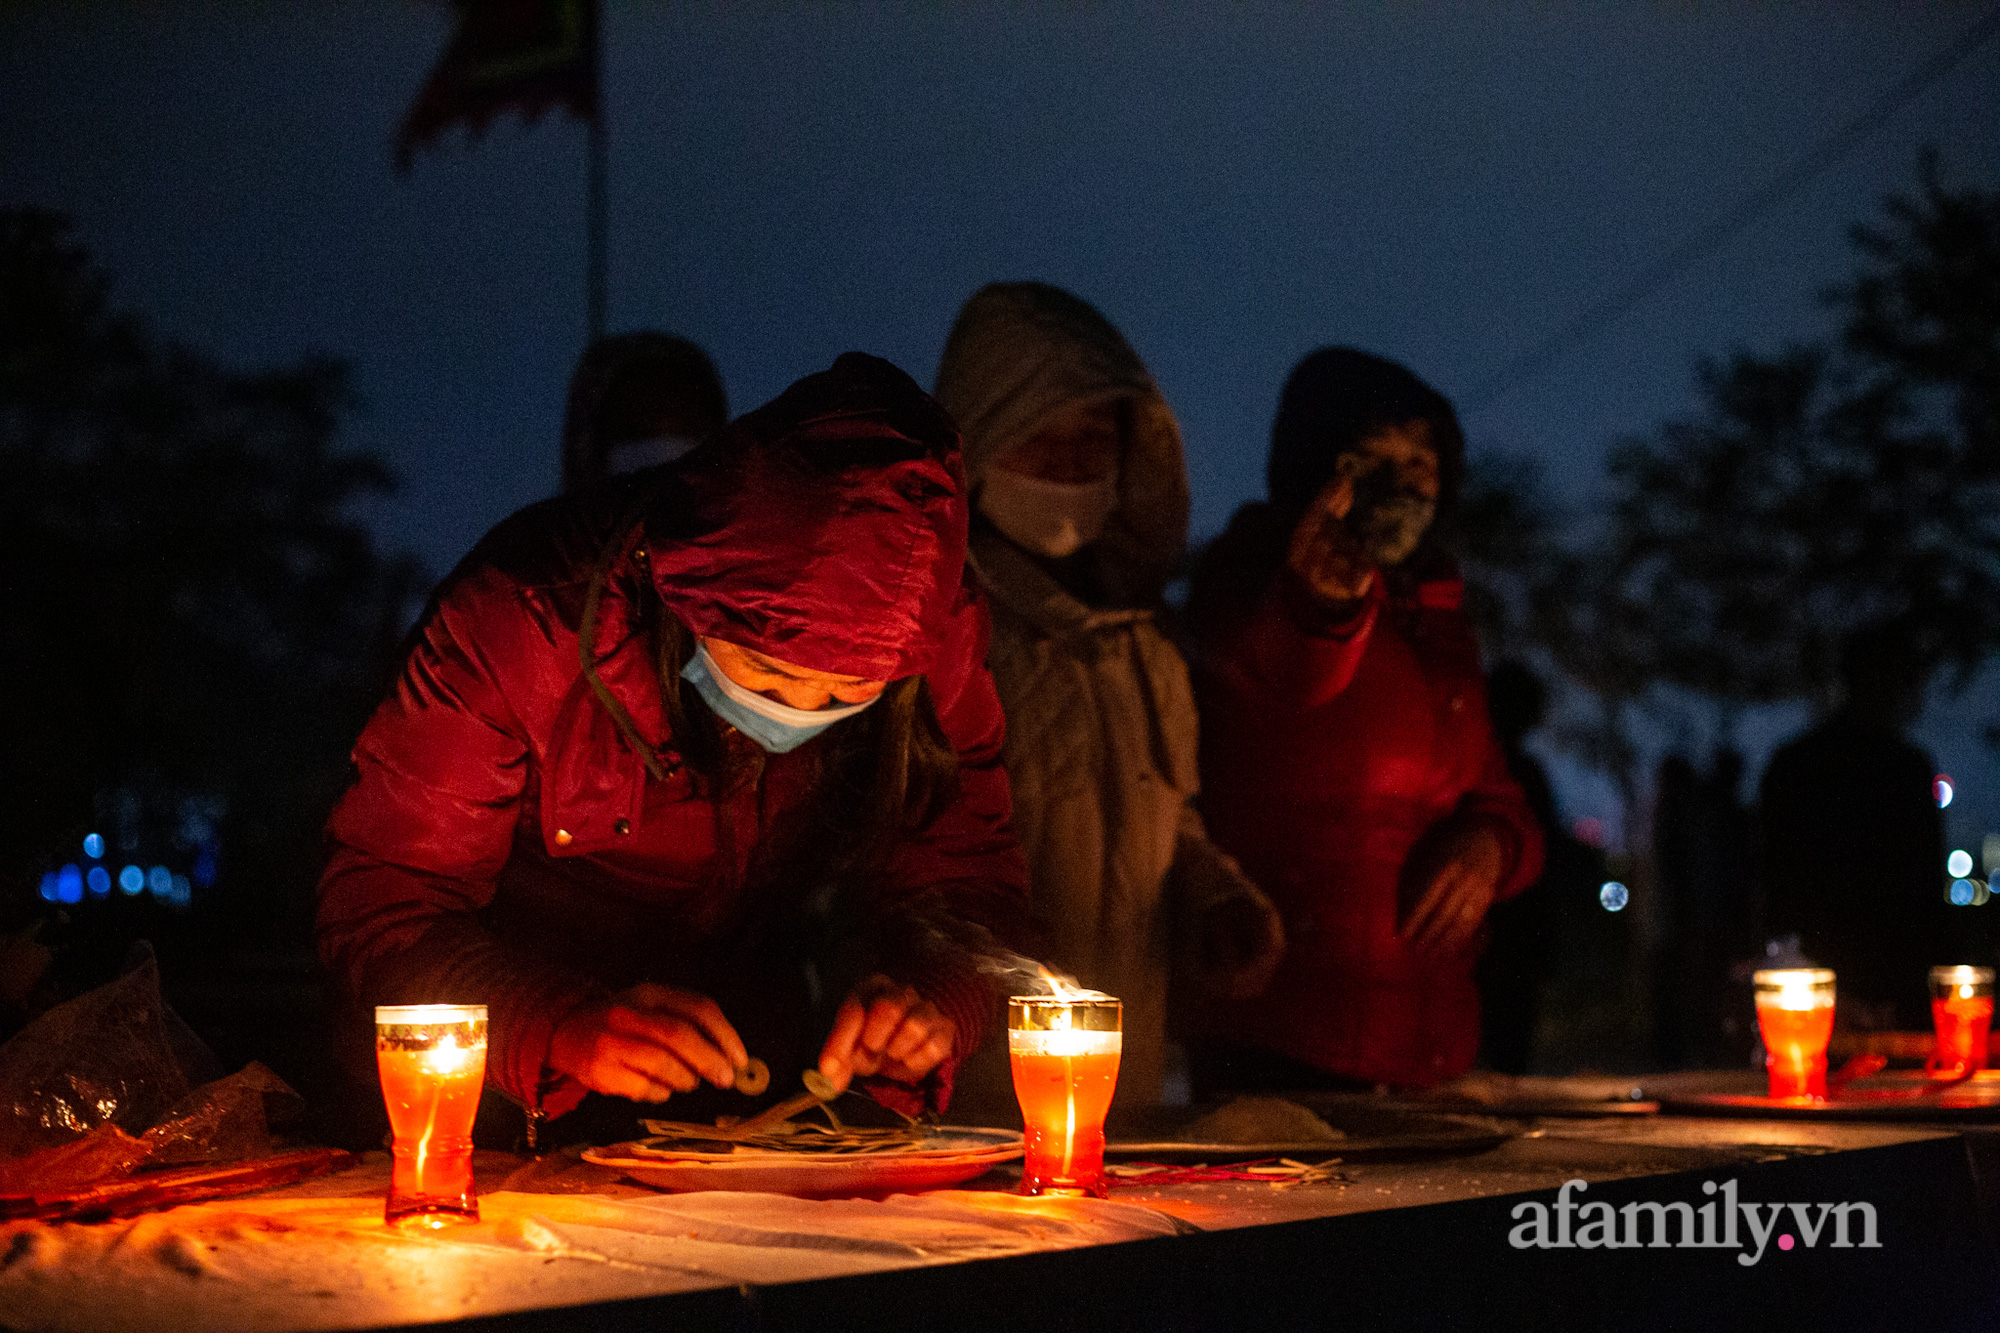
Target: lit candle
{"points": [[1962, 1013], [1064, 1051], [432, 1059], [1795, 1015]]}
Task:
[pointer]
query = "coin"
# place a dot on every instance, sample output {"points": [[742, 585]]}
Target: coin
{"points": [[753, 1078], [817, 1084]]}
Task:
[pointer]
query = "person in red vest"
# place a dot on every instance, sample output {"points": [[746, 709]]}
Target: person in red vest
{"points": [[1347, 760], [699, 764]]}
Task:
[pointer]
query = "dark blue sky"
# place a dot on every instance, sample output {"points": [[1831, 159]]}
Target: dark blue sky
{"points": [[1232, 185]]}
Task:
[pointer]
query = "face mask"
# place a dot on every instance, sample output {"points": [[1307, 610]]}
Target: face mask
{"points": [[1052, 518], [773, 725], [1388, 519], [632, 455]]}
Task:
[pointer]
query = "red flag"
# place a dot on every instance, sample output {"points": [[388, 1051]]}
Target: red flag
{"points": [[523, 54]]}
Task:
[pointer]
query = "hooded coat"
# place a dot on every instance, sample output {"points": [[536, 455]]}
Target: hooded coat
{"points": [[1100, 716], [520, 837], [1335, 752]]}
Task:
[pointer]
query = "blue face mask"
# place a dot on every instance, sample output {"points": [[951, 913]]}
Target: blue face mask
{"points": [[774, 726]]}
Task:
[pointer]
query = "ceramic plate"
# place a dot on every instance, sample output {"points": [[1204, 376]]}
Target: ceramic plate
{"points": [[1895, 1095], [948, 1158], [1371, 1129]]}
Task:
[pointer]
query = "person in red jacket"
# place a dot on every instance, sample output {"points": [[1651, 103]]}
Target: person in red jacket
{"points": [[1347, 760], [698, 764]]}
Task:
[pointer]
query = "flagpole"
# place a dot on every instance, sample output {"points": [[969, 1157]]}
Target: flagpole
{"points": [[594, 277]]}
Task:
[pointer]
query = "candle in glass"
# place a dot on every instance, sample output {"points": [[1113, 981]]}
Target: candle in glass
{"points": [[432, 1059], [1962, 1013], [1795, 1014], [1064, 1052]]}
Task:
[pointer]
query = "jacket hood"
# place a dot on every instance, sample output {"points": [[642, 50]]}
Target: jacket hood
{"points": [[1022, 351], [826, 528], [658, 369], [1337, 397]]}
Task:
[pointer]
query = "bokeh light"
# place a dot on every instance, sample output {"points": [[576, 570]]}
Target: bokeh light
{"points": [[1961, 893], [1942, 789], [1613, 896], [93, 845], [98, 881], [69, 885], [49, 888], [161, 881], [132, 879], [1959, 864]]}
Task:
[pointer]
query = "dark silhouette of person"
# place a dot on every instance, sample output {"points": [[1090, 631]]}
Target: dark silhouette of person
{"points": [[1701, 848], [637, 400], [1520, 951], [1347, 760], [1854, 842]]}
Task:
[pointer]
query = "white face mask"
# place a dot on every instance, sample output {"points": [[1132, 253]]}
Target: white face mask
{"points": [[775, 726], [1052, 518], [632, 455]]}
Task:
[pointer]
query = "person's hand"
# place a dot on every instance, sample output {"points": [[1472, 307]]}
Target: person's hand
{"points": [[885, 1028], [1239, 942], [1324, 554], [648, 1043], [1458, 891]]}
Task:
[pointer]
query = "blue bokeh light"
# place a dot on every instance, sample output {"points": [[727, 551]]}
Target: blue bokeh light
{"points": [[93, 846], [69, 885], [98, 881], [1959, 864], [132, 879], [160, 880], [1961, 893], [1941, 788], [1613, 896], [49, 888]]}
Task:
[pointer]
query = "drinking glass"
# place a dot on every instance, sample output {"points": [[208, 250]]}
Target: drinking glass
{"points": [[1962, 1012], [432, 1059], [1064, 1054], [1795, 1014]]}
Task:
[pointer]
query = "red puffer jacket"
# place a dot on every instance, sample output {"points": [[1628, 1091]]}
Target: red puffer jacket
{"points": [[1326, 756], [506, 842]]}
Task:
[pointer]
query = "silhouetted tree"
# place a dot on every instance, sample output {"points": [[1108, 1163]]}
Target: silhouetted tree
{"points": [[194, 624], [1837, 486], [1825, 489]]}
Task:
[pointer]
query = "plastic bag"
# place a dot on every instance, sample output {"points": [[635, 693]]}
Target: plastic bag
{"points": [[103, 1154], [99, 1087], [224, 1121], [106, 1057]]}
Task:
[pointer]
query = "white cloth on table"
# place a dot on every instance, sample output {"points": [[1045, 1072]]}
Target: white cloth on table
{"points": [[330, 1262]]}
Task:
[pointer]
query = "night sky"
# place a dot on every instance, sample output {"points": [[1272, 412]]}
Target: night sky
{"points": [[1232, 186]]}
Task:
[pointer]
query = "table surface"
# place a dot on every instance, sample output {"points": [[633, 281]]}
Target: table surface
{"points": [[560, 1233]]}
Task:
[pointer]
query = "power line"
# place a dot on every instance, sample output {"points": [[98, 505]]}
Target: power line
{"points": [[1537, 359]]}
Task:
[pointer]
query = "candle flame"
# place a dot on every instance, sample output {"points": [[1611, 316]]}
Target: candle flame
{"points": [[448, 1057], [1066, 990]]}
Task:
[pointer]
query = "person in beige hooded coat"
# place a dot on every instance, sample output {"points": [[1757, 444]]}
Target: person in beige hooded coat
{"points": [[1080, 503]]}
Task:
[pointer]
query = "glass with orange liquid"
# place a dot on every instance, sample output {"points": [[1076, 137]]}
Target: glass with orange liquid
{"points": [[1064, 1053], [432, 1059], [1795, 1015], [1962, 1013]]}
